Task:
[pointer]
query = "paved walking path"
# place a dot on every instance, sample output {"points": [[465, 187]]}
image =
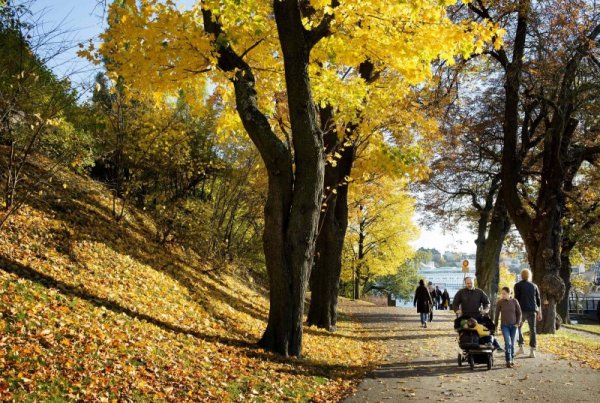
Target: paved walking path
{"points": [[422, 366]]}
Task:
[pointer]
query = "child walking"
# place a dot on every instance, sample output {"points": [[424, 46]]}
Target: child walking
{"points": [[509, 310]]}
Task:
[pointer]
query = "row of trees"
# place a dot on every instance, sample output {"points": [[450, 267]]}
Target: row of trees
{"points": [[339, 103], [524, 130], [317, 86]]}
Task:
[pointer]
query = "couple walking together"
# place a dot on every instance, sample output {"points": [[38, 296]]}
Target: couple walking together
{"points": [[471, 302]]}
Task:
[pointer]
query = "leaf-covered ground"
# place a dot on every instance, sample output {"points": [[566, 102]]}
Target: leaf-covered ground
{"points": [[94, 310]]}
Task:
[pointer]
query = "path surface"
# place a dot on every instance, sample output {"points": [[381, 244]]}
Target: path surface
{"points": [[422, 366]]}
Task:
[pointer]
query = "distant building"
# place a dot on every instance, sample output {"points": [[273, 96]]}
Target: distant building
{"points": [[450, 278]]}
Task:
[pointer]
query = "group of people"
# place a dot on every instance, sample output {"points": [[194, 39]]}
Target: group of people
{"points": [[472, 305], [429, 298]]}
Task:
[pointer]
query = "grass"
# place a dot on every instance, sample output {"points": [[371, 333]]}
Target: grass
{"points": [[594, 329]]}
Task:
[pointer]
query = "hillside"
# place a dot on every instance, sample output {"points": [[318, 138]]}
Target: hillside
{"points": [[95, 310]]}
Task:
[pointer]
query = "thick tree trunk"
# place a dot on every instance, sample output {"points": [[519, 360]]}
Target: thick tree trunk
{"points": [[325, 278], [565, 274], [289, 281], [489, 247]]}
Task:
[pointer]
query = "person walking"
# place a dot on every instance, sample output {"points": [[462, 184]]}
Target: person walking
{"points": [[445, 299], [423, 302], [438, 298], [528, 295], [470, 301], [432, 294], [509, 310]]}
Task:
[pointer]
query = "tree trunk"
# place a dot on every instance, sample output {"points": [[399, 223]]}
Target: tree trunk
{"points": [[488, 249], [565, 274], [325, 277], [541, 233], [284, 333], [295, 186]]}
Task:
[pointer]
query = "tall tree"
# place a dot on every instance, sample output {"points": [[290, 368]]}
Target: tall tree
{"points": [[465, 182], [541, 101], [260, 48]]}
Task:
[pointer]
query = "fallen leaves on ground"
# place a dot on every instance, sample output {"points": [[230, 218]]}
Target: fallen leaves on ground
{"points": [[585, 350], [91, 309]]}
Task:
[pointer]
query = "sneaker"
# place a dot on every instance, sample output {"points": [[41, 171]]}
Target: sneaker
{"points": [[425, 325], [532, 353], [508, 364], [520, 350]]}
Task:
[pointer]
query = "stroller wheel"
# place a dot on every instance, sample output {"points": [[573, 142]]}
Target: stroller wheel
{"points": [[490, 361], [460, 360], [471, 362]]}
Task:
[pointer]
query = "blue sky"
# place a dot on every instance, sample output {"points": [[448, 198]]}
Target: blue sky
{"points": [[83, 21]]}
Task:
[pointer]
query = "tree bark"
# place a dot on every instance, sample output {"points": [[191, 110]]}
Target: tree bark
{"points": [[325, 278], [565, 273], [295, 185], [489, 247], [302, 219]]}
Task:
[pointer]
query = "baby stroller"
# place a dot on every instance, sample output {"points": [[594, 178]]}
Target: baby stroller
{"points": [[474, 350]]}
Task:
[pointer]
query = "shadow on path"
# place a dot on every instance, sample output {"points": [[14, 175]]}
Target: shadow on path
{"points": [[423, 368]]}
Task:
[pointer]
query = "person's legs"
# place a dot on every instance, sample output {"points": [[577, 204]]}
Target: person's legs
{"points": [[423, 318], [431, 314], [531, 320], [513, 333], [508, 353], [528, 317]]}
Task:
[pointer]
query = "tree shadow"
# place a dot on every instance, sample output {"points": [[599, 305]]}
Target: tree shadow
{"points": [[249, 349], [31, 274], [424, 368], [78, 206]]}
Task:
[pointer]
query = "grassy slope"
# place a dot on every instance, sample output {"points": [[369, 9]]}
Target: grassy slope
{"points": [[94, 310]]}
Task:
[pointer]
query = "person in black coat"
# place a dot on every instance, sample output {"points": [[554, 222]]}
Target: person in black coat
{"points": [[423, 302], [445, 299]]}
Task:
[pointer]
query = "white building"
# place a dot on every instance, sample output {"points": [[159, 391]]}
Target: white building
{"points": [[449, 278]]}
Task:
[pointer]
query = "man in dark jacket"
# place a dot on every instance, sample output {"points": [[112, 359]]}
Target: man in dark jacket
{"points": [[528, 295], [470, 300]]}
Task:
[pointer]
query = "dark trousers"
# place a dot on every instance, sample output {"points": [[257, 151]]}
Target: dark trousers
{"points": [[530, 317]]}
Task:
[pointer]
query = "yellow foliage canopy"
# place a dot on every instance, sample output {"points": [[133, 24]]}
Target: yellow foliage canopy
{"points": [[159, 47]]}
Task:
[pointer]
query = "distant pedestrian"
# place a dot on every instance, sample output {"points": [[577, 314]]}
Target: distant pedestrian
{"points": [[528, 295], [431, 290], [438, 297], [423, 302], [445, 299], [509, 310]]}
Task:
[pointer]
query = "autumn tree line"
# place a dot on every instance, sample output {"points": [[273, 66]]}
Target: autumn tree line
{"points": [[287, 135]]}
